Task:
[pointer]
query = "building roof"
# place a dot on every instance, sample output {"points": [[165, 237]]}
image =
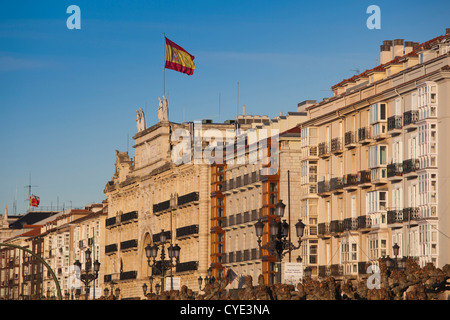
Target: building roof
{"points": [[423, 46], [30, 218]]}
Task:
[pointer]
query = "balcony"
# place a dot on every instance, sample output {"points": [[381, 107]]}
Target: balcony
{"points": [[162, 206], [364, 135], [323, 188], [364, 222], [110, 222], [324, 150], [394, 216], [111, 248], [410, 118], [336, 226], [336, 146], [411, 214], [410, 167], [350, 182], [350, 139], [364, 178], [129, 217], [187, 266], [350, 224], [187, 198], [128, 275], [394, 171], [157, 236], [187, 231], [129, 245], [323, 228], [336, 185], [395, 125]]}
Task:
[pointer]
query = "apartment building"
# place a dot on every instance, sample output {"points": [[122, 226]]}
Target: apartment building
{"points": [[15, 266], [246, 188], [374, 168], [59, 241], [64, 239]]}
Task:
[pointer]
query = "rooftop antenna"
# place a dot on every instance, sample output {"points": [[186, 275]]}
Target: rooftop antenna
{"points": [[219, 106], [237, 107], [29, 186], [15, 202]]}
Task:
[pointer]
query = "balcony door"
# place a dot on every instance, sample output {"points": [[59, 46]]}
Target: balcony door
{"points": [[413, 148], [353, 207]]}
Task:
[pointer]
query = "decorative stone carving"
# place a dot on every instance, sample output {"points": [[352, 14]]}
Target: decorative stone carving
{"points": [[140, 120], [163, 110]]}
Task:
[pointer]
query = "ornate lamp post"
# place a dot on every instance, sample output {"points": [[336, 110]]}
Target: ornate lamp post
{"points": [[173, 252], [279, 245], [88, 275], [395, 250], [208, 279]]}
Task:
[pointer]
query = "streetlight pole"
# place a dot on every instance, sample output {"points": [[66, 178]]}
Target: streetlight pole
{"points": [[88, 275], [173, 252], [278, 244]]}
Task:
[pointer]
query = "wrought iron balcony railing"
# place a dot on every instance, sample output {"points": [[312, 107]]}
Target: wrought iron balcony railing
{"points": [[395, 122], [410, 117]]}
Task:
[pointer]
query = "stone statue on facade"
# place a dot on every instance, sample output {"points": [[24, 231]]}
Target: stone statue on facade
{"points": [[163, 110], [140, 120]]}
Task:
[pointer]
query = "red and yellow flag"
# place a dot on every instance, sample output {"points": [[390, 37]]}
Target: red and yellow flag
{"points": [[34, 201], [179, 59]]}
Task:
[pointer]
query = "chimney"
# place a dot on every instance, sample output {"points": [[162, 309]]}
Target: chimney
{"points": [[398, 47], [447, 31], [386, 51], [409, 45], [243, 110]]}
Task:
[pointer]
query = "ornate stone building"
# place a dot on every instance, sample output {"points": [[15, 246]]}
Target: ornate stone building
{"points": [[155, 193]]}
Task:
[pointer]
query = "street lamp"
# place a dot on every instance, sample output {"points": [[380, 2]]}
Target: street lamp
{"points": [[144, 288], [208, 279], [77, 294], [88, 275], [117, 293], [308, 272], [278, 244], [173, 252], [395, 250]]}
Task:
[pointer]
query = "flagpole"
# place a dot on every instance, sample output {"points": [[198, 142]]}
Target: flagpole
{"points": [[164, 63]]}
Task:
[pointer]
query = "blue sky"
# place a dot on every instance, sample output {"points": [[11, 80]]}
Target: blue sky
{"points": [[68, 98]]}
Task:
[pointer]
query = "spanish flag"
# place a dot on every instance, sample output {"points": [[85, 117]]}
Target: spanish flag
{"points": [[34, 201], [179, 59]]}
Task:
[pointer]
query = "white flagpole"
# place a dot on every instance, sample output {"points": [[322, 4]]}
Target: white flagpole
{"points": [[164, 62]]}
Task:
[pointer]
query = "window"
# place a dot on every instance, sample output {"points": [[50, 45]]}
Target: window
{"points": [[414, 101], [377, 156], [398, 107], [313, 254], [377, 112], [376, 201]]}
